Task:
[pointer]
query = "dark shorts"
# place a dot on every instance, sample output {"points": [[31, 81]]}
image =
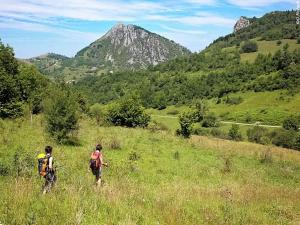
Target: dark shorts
{"points": [[98, 173]]}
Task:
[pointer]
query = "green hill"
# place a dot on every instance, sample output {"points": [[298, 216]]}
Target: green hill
{"points": [[154, 177]]}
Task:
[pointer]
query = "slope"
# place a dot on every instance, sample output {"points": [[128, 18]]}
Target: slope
{"points": [[154, 177]]}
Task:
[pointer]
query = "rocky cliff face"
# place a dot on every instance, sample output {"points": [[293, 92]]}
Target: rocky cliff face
{"points": [[129, 47], [241, 23]]}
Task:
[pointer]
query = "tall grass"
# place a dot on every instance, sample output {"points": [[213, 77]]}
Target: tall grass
{"points": [[172, 181]]}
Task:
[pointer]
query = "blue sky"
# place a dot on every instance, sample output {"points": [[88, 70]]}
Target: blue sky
{"points": [[35, 27]]}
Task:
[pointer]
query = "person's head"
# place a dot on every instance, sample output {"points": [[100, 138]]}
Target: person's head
{"points": [[99, 147], [48, 149]]}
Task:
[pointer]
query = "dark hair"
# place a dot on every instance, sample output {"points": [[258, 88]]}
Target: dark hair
{"points": [[98, 147], [48, 149]]}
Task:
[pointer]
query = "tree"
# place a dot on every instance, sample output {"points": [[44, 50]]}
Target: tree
{"points": [[234, 133], [186, 120], [61, 114], [10, 105]]}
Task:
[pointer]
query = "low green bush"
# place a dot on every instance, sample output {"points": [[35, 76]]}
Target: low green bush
{"points": [[234, 133], [210, 120], [256, 134], [128, 113], [291, 123]]}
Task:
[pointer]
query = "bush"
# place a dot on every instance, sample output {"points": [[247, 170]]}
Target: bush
{"points": [[278, 42], [128, 113], [134, 156], [291, 123], [249, 46], [234, 133], [61, 115], [186, 120], [200, 131], [298, 40], [256, 134], [286, 138], [210, 121], [157, 126]]}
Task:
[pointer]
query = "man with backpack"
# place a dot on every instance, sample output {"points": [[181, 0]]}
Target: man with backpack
{"points": [[96, 163], [46, 169]]}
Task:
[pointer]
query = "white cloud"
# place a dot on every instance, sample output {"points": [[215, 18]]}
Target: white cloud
{"points": [[30, 26], [202, 2], [258, 3], [196, 20], [81, 9], [183, 31]]}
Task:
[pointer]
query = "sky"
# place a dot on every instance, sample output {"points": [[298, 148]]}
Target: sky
{"points": [[36, 27]]}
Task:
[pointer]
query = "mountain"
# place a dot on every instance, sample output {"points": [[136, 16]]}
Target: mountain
{"points": [[123, 47], [49, 62], [216, 72], [130, 47]]}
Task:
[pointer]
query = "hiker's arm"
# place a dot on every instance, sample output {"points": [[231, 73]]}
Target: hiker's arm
{"points": [[51, 164], [101, 161]]}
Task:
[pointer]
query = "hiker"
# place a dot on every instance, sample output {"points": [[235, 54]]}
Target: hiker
{"points": [[96, 163], [46, 169]]}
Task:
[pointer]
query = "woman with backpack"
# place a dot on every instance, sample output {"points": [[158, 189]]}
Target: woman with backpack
{"points": [[47, 170], [96, 163]]}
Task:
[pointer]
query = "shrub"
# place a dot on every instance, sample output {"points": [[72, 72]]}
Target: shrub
{"points": [[286, 138], [298, 40], [249, 46], [234, 133], [186, 120], [256, 134], [156, 126], [61, 115], [291, 123], [200, 110], [278, 42], [200, 131], [210, 120], [134, 156], [128, 113]]}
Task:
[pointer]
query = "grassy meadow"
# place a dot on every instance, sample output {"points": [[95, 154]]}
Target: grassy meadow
{"points": [[153, 177], [266, 47], [266, 107]]}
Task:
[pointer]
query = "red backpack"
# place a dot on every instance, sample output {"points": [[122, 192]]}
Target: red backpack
{"points": [[95, 160]]}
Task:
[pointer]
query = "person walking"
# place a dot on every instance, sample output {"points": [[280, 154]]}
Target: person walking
{"points": [[97, 163]]}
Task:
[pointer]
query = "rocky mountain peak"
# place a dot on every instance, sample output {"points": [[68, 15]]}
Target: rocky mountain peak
{"points": [[129, 47], [241, 23]]}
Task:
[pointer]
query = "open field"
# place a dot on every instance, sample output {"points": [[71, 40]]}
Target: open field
{"points": [[266, 47], [153, 178], [269, 108]]}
